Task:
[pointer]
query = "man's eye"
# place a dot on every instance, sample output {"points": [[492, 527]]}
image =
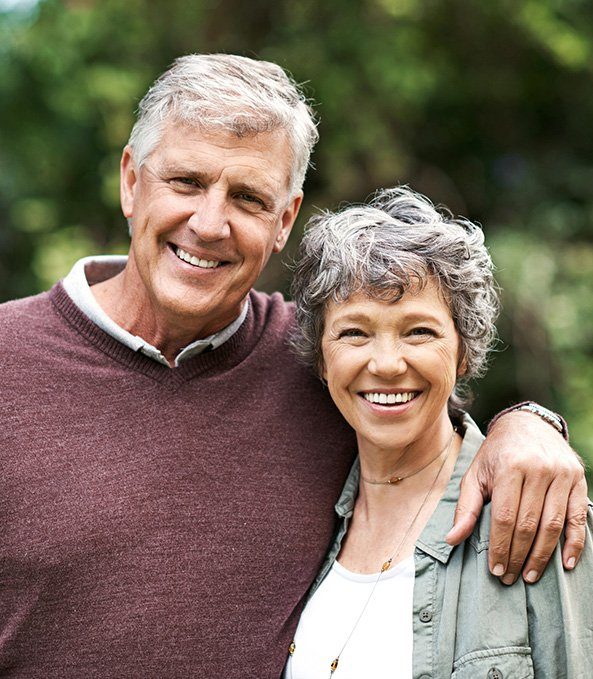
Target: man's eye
{"points": [[251, 199], [185, 181]]}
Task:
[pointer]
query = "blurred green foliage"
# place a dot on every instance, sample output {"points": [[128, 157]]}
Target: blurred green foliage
{"points": [[484, 106]]}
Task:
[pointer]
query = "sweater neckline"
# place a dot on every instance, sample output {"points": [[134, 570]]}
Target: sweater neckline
{"points": [[229, 354]]}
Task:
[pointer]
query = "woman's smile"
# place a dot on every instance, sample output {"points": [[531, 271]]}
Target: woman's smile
{"points": [[390, 403]]}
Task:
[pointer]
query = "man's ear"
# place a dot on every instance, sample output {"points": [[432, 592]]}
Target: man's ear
{"points": [[128, 179], [287, 221]]}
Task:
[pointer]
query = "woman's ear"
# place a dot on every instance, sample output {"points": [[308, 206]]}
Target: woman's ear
{"points": [[462, 366]]}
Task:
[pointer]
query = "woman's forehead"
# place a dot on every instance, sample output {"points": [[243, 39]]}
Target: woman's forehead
{"points": [[420, 300]]}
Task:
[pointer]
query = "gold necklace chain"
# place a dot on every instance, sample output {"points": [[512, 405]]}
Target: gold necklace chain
{"points": [[394, 480], [387, 564]]}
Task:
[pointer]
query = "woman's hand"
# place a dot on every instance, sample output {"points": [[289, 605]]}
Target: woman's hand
{"points": [[537, 485]]}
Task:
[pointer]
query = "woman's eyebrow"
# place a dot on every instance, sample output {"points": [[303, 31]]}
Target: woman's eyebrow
{"points": [[408, 317], [418, 316], [352, 317]]}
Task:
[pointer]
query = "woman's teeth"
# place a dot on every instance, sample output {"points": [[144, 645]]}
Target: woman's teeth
{"points": [[190, 259], [390, 399]]}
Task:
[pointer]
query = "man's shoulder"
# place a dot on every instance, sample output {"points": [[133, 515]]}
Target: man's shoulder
{"points": [[25, 326], [30, 322], [274, 300], [274, 325], [25, 311], [272, 309]]}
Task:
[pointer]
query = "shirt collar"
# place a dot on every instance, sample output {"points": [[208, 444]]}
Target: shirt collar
{"points": [[90, 270], [432, 538]]}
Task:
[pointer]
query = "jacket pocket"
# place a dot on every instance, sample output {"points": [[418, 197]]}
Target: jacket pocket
{"points": [[508, 662]]}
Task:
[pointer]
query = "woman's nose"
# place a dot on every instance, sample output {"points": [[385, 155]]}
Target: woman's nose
{"points": [[387, 360]]}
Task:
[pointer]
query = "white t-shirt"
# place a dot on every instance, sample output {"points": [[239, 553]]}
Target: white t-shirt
{"points": [[381, 645]]}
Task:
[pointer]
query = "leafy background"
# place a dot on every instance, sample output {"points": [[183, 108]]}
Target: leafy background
{"points": [[484, 106]]}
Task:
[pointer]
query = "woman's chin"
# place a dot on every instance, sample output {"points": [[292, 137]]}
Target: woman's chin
{"points": [[387, 439]]}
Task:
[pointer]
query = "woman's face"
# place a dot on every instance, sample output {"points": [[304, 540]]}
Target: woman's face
{"points": [[391, 367]]}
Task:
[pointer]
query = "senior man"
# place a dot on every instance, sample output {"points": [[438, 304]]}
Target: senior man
{"points": [[168, 468]]}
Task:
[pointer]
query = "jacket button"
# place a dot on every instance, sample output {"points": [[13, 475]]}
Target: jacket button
{"points": [[426, 616], [495, 673]]}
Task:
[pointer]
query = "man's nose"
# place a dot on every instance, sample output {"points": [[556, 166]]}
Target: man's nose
{"points": [[209, 219], [388, 360]]}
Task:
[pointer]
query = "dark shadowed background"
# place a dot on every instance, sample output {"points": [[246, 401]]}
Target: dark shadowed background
{"points": [[485, 106]]}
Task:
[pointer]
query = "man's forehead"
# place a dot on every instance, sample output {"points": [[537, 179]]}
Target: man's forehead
{"points": [[263, 157], [193, 138]]}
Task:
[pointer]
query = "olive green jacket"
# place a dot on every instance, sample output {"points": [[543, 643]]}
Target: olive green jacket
{"points": [[467, 624]]}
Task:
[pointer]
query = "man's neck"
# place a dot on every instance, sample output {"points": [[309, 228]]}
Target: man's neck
{"points": [[137, 316]]}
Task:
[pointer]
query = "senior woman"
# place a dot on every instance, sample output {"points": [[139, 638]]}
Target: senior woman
{"points": [[396, 305]]}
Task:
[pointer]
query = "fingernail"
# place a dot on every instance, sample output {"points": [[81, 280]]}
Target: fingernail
{"points": [[571, 563], [498, 570], [508, 579], [531, 576]]}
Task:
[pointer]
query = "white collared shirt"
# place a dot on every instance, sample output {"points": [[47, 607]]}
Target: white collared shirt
{"points": [[78, 287]]}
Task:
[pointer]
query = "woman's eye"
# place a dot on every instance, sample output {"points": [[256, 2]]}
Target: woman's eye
{"points": [[422, 332], [351, 332]]}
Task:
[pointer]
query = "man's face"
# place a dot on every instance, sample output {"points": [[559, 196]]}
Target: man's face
{"points": [[207, 209]]}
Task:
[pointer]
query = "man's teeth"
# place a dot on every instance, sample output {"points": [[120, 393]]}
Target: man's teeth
{"points": [[390, 399], [190, 259]]}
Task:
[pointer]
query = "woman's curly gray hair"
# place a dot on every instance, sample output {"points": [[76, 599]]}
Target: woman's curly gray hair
{"points": [[397, 242]]}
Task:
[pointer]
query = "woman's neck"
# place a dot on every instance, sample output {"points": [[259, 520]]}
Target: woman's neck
{"points": [[388, 519], [407, 459]]}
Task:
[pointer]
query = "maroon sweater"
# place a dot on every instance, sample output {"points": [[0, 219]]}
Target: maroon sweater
{"points": [[156, 522]]}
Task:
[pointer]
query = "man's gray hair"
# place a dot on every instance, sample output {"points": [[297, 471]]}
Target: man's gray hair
{"points": [[397, 242], [225, 92]]}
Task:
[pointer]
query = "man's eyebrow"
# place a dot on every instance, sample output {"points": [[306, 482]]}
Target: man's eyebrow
{"points": [[180, 170], [266, 193]]}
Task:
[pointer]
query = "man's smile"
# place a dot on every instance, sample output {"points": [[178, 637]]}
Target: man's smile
{"points": [[195, 261]]}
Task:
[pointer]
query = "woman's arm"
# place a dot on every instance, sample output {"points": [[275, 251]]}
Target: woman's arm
{"points": [[537, 485]]}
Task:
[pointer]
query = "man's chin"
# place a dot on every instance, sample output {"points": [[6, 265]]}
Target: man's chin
{"points": [[186, 305]]}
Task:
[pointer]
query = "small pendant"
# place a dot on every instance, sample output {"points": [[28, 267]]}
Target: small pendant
{"points": [[394, 480], [292, 648], [386, 565], [334, 665]]}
